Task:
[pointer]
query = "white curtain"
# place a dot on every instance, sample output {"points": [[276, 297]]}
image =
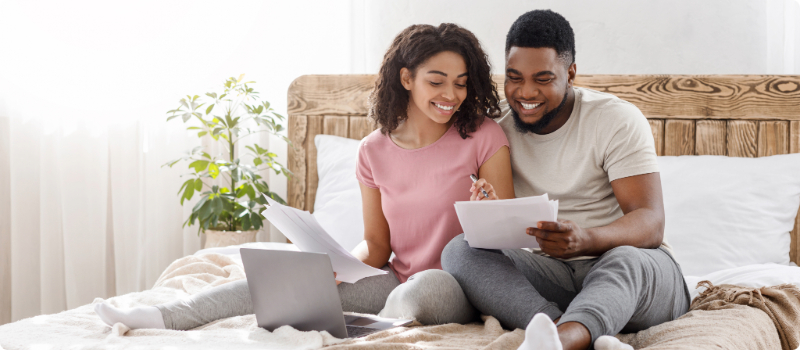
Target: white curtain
{"points": [[86, 208]]}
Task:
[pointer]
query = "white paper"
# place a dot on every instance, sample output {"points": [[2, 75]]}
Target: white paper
{"points": [[306, 233], [501, 224]]}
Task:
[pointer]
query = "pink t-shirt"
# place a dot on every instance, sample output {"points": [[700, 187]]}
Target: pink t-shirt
{"points": [[419, 187]]}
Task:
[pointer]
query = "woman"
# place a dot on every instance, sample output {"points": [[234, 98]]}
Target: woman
{"points": [[432, 100]]}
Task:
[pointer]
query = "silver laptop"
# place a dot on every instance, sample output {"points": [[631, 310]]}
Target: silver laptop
{"points": [[298, 289]]}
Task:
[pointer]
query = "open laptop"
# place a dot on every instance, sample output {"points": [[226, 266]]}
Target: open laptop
{"points": [[298, 289]]}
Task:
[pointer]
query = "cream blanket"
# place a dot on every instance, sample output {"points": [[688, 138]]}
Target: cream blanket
{"points": [[735, 327], [80, 328]]}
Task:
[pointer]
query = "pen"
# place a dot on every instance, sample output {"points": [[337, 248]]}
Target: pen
{"points": [[474, 180]]}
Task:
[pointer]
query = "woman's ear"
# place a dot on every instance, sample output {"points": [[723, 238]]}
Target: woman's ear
{"points": [[405, 78]]}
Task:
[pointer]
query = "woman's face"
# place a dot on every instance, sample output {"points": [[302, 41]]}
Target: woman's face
{"points": [[438, 87]]}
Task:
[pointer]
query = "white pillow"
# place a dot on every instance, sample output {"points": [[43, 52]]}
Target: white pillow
{"points": [[751, 276], [725, 212], [338, 203]]}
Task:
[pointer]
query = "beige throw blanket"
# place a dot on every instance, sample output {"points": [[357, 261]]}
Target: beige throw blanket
{"points": [[730, 317]]}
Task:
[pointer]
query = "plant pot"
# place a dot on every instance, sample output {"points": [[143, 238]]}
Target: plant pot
{"points": [[216, 238]]}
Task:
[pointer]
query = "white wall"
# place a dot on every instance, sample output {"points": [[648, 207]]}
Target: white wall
{"points": [[618, 37]]}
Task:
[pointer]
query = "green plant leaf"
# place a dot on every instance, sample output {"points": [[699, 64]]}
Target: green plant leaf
{"points": [[251, 192], [210, 107], [199, 205], [216, 206], [255, 219], [246, 223], [205, 210], [199, 165], [187, 193], [185, 184], [257, 161], [202, 133], [198, 185], [172, 117], [186, 116], [213, 170]]}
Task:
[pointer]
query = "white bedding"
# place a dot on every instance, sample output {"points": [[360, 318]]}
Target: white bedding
{"points": [[80, 328]]}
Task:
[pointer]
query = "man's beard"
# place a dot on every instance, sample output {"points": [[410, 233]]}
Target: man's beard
{"points": [[538, 126]]}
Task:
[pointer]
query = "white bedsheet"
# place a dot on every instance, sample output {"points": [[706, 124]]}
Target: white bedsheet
{"points": [[81, 328]]}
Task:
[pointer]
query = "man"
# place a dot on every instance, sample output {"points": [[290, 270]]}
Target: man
{"points": [[603, 267]]}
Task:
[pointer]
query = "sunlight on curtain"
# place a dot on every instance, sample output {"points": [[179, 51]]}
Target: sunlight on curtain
{"points": [[86, 210]]}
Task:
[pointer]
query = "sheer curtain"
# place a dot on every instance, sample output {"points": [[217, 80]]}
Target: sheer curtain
{"points": [[86, 208]]}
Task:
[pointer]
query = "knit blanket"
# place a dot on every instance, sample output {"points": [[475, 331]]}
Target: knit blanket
{"points": [[730, 317]]}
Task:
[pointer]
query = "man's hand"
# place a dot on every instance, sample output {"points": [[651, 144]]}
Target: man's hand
{"points": [[563, 239]]}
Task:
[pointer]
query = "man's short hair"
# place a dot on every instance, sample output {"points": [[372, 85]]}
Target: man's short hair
{"points": [[543, 28]]}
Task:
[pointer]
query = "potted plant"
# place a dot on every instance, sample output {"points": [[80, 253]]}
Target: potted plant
{"points": [[231, 189]]}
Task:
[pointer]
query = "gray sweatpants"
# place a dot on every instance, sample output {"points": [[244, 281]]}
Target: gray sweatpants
{"points": [[430, 297], [626, 289]]}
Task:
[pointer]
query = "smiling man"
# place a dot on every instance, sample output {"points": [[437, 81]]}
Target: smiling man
{"points": [[604, 266]]}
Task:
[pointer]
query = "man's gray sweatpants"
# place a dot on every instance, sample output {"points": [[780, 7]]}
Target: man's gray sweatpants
{"points": [[626, 289], [430, 297]]}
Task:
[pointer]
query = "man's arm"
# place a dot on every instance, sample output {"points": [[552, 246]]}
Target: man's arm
{"points": [[641, 226]]}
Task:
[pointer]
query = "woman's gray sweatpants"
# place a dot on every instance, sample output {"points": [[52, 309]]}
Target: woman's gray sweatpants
{"points": [[626, 289], [430, 297]]}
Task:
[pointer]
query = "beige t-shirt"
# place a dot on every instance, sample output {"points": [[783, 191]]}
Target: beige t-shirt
{"points": [[605, 139]]}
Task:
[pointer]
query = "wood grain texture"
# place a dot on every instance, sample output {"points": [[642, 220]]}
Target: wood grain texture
{"points": [[657, 127], [742, 138], [315, 128], [330, 94], [360, 127], [296, 186], [794, 250], [704, 97], [711, 137], [773, 138], [794, 147], [679, 138], [334, 125], [765, 97]]}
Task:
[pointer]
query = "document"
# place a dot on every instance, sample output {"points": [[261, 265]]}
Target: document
{"points": [[501, 224], [307, 234]]}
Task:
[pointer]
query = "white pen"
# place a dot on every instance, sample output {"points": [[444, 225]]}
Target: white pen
{"points": [[474, 180]]}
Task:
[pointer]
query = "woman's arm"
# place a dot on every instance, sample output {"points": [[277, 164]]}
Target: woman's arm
{"points": [[374, 250], [495, 177]]}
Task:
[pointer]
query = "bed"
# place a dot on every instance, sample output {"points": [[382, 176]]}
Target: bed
{"points": [[734, 117]]}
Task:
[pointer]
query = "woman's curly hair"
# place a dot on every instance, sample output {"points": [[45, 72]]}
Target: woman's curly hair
{"points": [[415, 45]]}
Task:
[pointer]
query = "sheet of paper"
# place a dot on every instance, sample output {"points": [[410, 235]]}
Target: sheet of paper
{"points": [[306, 233], [501, 224]]}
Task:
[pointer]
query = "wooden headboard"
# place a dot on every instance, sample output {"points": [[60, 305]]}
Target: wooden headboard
{"points": [[730, 115]]}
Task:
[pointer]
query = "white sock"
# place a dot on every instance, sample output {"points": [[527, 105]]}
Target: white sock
{"points": [[541, 334], [135, 318], [607, 342]]}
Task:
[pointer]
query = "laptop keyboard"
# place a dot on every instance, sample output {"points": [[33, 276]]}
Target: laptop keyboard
{"points": [[357, 332]]}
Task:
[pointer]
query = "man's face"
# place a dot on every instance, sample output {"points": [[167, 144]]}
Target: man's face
{"points": [[537, 85]]}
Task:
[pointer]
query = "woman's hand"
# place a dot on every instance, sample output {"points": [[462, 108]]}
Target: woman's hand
{"points": [[477, 194], [337, 281]]}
